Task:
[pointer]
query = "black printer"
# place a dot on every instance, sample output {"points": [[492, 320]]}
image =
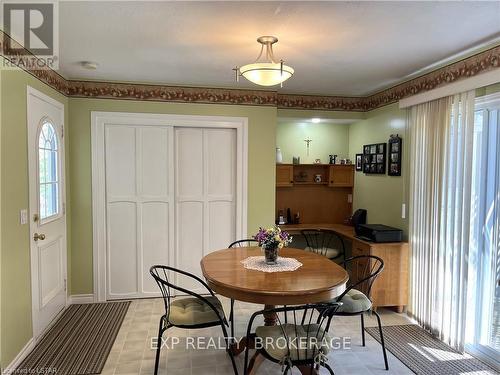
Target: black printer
{"points": [[378, 233]]}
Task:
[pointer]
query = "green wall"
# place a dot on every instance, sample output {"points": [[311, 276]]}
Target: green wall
{"points": [[381, 195], [326, 139], [16, 323], [261, 171]]}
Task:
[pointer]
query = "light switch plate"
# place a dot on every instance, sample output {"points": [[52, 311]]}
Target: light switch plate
{"points": [[23, 216], [403, 211]]}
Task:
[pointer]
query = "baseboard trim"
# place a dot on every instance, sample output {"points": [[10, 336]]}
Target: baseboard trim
{"points": [[19, 357], [80, 298]]}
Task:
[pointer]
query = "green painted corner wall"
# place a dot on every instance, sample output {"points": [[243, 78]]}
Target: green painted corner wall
{"points": [[381, 195], [16, 321], [326, 139], [261, 171]]}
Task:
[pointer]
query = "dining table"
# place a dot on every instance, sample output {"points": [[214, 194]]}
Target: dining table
{"points": [[318, 279]]}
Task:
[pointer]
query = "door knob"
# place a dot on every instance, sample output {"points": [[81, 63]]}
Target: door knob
{"points": [[40, 236]]}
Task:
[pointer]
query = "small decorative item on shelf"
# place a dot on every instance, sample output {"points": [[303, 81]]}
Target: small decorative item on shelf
{"points": [[281, 217], [296, 219], [271, 240], [317, 161], [301, 177], [333, 159], [359, 162], [296, 160], [395, 152], [279, 156]]}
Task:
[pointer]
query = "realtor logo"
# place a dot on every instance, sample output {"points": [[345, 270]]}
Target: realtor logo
{"points": [[31, 29]]}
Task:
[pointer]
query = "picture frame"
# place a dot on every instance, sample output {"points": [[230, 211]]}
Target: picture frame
{"points": [[359, 162], [395, 143], [374, 158]]}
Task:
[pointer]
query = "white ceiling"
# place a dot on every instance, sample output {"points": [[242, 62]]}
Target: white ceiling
{"points": [[336, 48]]}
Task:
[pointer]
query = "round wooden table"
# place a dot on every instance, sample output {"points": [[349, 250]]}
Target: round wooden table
{"points": [[317, 280]]}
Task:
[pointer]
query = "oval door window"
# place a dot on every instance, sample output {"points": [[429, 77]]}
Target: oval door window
{"points": [[48, 166]]}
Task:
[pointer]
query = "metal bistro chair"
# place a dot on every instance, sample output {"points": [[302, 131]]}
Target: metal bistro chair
{"points": [[324, 242], [300, 337], [191, 312], [236, 244], [356, 300]]}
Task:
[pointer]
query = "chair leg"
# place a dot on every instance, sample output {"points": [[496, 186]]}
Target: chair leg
{"points": [[231, 318], [363, 328], [327, 366], [381, 339], [161, 329], [228, 348]]}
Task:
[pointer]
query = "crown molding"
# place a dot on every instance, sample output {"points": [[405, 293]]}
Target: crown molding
{"points": [[482, 62]]}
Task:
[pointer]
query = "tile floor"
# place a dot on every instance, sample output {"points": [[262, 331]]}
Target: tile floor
{"points": [[132, 353]]}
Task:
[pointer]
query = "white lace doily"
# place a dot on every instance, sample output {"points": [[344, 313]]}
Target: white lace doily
{"points": [[259, 264]]}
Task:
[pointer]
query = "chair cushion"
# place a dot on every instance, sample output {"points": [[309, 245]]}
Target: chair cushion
{"points": [[328, 252], [354, 302], [193, 311], [309, 339]]}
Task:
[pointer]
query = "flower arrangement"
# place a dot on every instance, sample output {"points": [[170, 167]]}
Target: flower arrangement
{"points": [[271, 240]]}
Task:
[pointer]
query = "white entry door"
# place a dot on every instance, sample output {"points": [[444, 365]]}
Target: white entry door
{"points": [[205, 198], [138, 204], [46, 207]]}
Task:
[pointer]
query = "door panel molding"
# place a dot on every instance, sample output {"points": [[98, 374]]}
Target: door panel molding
{"points": [[100, 121]]}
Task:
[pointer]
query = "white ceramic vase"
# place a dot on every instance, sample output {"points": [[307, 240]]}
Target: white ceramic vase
{"points": [[279, 156]]}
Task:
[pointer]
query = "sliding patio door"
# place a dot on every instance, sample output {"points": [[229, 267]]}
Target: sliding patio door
{"points": [[483, 315]]}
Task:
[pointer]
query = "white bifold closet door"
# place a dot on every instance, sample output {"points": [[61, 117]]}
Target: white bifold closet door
{"points": [[205, 201], [170, 199], [139, 196]]}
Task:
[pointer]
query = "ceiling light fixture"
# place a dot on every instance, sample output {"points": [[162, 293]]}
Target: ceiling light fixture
{"points": [[265, 71], [315, 120]]}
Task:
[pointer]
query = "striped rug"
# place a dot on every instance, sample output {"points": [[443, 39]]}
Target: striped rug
{"points": [[79, 342], [425, 355]]}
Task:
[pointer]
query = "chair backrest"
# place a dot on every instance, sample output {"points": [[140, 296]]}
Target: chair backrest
{"points": [[161, 275], [244, 243], [321, 240], [303, 327], [363, 271]]}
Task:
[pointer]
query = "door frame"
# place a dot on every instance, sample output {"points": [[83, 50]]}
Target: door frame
{"points": [[98, 122], [30, 94]]}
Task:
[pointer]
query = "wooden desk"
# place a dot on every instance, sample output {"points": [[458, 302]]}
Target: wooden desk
{"points": [[391, 287]]}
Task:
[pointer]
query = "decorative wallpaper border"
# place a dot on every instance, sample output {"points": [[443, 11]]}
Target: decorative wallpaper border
{"points": [[132, 91], [479, 63]]}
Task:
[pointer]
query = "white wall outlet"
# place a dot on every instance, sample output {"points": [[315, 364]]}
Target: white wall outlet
{"points": [[349, 198], [403, 211], [23, 216]]}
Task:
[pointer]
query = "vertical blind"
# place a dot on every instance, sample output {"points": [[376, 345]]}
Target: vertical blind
{"points": [[441, 151]]}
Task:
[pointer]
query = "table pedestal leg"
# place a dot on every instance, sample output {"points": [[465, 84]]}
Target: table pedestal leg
{"points": [[269, 318], [306, 370]]}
